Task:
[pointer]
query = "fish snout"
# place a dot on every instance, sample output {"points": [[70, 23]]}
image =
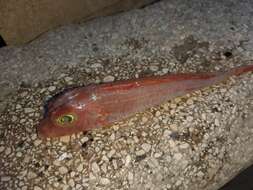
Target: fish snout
{"points": [[44, 129]]}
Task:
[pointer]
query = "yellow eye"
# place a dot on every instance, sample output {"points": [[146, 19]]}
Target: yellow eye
{"points": [[66, 119]]}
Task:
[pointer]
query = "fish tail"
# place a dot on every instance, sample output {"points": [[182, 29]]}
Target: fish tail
{"points": [[240, 70]]}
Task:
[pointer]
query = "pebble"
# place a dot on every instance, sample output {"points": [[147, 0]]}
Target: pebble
{"points": [[184, 146], [130, 176], [19, 154], [144, 119], [157, 154], [37, 142], [165, 70], [217, 122], [140, 152], [146, 147], [178, 156], [68, 79], [166, 133], [109, 78], [96, 65], [31, 175], [37, 188], [63, 170], [2, 148], [157, 114], [79, 168], [111, 153], [189, 118], [128, 160], [154, 68], [29, 110], [71, 182], [18, 106], [65, 139], [189, 102], [5, 178], [84, 139], [172, 143], [173, 127], [7, 151], [105, 181], [95, 167], [51, 88]]}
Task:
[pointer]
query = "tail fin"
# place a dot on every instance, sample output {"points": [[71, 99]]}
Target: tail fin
{"points": [[240, 70]]}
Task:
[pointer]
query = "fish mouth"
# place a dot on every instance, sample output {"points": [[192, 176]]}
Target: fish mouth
{"points": [[44, 130]]}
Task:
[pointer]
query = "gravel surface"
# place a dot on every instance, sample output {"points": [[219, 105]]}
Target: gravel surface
{"points": [[198, 141]]}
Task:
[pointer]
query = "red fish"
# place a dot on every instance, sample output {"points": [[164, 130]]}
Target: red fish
{"points": [[86, 108]]}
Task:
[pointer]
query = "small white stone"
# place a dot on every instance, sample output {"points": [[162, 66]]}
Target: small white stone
{"points": [[154, 68], [189, 102], [51, 88], [65, 139], [105, 181], [79, 168], [172, 143], [109, 78], [31, 175], [63, 170], [216, 122], [130, 176], [85, 139], [18, 106], [111, 153], [166, 133], [157, 114], [173, 127], [157, 154], [112, 137], [144, 119], [68, 79], [37, 142], [165, 70], [179, 182], [177, 156], [29, 110], [189, 118], [184, 146], [146, 147], [56, 162], [2, 148], [140, 152], [19, 154], [128, 160], [65, 186], [5, 178], [14, 118], [203, 115], [95, 167], [71, 182], [7, 151], [37, 188], [96, 65], [34, 136], [200, 174]]}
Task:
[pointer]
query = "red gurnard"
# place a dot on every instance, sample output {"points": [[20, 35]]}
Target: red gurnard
{"points": [[86, 108]]}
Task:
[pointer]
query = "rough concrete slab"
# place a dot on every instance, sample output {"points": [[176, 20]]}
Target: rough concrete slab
{"points": [[198, 141]]}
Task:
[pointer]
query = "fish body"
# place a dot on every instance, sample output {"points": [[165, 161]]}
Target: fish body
{"points": [[86, 108]]}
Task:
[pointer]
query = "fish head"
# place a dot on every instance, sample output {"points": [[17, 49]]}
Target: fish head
{"points": [[67, 114]]}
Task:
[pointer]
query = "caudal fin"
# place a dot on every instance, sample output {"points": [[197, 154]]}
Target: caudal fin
{"points": [[240, 70]]}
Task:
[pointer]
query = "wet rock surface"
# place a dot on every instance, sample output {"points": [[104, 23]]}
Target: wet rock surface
{"points": [[198, 141]]}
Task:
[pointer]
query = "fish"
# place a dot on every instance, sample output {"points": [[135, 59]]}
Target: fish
{"points": [[99, 105]]}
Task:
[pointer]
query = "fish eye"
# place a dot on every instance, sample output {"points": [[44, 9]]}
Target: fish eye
{"points": [[66, 119]]}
